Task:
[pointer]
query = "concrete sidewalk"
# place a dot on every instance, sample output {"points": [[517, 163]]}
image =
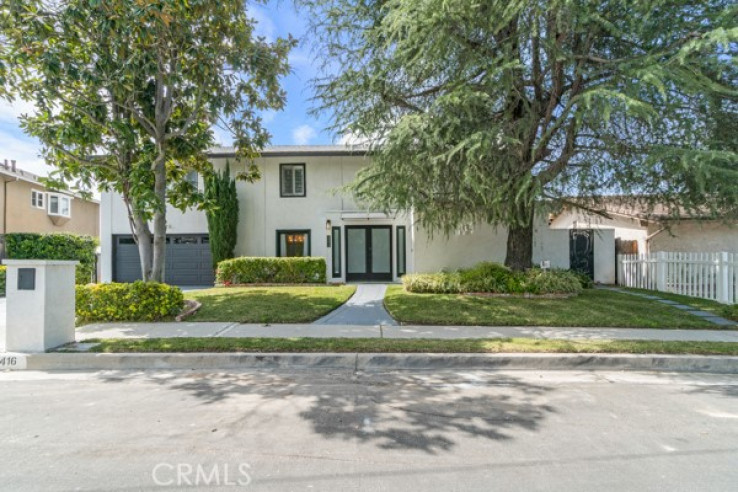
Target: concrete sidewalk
{"points": [[184, 329]]}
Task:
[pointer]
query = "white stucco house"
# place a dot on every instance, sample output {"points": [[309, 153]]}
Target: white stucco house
{"points": [[297, 209]]}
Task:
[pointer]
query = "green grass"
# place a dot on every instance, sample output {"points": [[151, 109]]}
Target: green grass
{"points": [[279, 304], [593, 307], [695, 302], [493, 345]]}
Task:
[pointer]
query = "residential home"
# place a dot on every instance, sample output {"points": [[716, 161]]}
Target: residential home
{"points": [[26, 205], [299, 208]]}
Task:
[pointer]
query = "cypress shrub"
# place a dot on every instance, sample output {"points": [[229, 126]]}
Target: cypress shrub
{"points": [[222, 214]]}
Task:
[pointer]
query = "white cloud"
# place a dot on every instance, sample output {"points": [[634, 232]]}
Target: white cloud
{"points": [[9, 112], [302, 135], [25, 151]]}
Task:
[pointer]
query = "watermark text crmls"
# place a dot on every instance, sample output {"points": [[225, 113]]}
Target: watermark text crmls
{"points": [[199, 475]]}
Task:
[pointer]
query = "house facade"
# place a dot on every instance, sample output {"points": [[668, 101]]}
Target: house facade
{"points": [[26, 205], [299, 208]]}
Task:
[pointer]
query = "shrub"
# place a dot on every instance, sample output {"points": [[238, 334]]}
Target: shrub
{"points": [[2, 279], [432, 283], [731, 312], [268, 270], [486, 277], [57, 246], [494, 278], [542, 282], [584, 279], [137, 301]]}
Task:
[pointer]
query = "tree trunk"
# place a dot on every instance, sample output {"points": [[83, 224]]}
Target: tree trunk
{"points": [[520, 246], [160, 223], [143, 240]]}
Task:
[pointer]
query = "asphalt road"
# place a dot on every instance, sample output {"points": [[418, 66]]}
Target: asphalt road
{"points": [[328, 430]]}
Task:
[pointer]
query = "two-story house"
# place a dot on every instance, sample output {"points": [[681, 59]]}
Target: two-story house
{"points": [[297, 208], [26, 205]]}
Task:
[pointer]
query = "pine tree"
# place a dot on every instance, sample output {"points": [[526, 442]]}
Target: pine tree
{"points": [[222, 215]]}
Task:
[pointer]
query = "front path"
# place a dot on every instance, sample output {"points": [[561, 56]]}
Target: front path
{"points": [[365, 308]]}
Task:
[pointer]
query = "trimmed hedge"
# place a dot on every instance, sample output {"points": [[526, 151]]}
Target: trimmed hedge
{"points": [[56, 246], [494, 278], [268, 270], [137, 301], [3, 268]]}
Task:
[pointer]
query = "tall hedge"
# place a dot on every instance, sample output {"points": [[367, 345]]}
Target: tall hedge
{"points": [[269, 270], [56, 246], [220, 192]]}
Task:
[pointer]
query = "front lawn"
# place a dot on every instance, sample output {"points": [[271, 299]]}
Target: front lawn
{"points": [[279, 304], [593, 307], [385, 345]]}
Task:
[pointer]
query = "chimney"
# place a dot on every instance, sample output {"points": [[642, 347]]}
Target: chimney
{"points": [[12, 163], [5, 164]]}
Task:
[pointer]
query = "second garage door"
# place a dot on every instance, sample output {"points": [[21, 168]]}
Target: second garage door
{"points": [[189, 261]]}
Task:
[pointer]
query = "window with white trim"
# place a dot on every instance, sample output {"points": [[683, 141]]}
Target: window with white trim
{"points": [[193, 178], [292, 180], [37, 199], [60, 205]]}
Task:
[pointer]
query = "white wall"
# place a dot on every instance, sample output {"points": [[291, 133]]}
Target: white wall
{"points": [[707, 236], [626, 228]]}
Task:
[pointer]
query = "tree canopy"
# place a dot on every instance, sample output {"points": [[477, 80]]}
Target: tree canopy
{"points": [[126, 93], [482, 111]]}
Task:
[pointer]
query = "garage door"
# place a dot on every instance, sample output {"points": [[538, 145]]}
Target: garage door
{"points": [[188, 260]]}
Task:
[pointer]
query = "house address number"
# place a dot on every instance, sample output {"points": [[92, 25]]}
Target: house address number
{"points": [[12, 362]]}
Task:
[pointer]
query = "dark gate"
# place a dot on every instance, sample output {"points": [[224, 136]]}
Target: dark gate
{"points": [[581, 251]]}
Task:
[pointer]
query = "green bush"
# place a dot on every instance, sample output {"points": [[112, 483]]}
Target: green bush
{"points": [[486, 277], [494, 278], [137, 301], [268, 270], [731, 312], [432, 283], [584, 279], [2, 279], [57, 246], [541, 282]]}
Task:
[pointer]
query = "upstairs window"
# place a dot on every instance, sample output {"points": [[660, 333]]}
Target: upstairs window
{"points": [[292, 180], [60, 205], [37, 199], [194, 179]]}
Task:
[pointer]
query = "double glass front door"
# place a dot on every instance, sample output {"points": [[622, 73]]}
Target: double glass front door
{"points": [[368, 253]]}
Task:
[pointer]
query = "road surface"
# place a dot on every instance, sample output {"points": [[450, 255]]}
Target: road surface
{"points": [[332, 430]]}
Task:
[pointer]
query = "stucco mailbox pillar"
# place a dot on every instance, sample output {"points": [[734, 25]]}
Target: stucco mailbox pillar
{"points": [[39, 304]]}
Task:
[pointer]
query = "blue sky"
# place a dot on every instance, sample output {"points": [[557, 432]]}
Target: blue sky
{"points": [[291, 126]]}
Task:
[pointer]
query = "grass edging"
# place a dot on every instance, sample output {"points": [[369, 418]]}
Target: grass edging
{"points": [[376, 345]]}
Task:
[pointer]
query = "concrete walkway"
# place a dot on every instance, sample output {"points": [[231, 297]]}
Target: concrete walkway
{"points": [[234, 330], [706, 315], [365, 308]]}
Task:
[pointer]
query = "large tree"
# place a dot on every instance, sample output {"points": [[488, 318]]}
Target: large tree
{"points": [[484, 111], [127, 91]]}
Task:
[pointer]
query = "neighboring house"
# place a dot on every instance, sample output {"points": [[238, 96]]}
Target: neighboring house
{"points": [[26, 205], [297, 209]]}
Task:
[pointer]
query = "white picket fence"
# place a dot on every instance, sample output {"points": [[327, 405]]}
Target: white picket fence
{"points": [[707, 275]]}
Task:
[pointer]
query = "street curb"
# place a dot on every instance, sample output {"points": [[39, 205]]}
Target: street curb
{"points": [[369, 361]]}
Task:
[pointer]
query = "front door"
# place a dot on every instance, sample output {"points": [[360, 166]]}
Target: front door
{"points": [[581, 251], [369, 253]]}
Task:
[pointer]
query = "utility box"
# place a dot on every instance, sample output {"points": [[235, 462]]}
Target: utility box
{"points": [[39, 305]]}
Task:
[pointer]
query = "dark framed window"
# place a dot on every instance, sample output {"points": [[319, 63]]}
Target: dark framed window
{"points": [[291, 180], [336, 235], [293, 243], [401, 262]]}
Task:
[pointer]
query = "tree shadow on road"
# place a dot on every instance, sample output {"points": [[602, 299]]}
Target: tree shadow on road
{"points": [[428, 413]]}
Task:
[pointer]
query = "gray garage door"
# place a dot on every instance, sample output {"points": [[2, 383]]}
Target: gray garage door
{"points": [[188, 260]]}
